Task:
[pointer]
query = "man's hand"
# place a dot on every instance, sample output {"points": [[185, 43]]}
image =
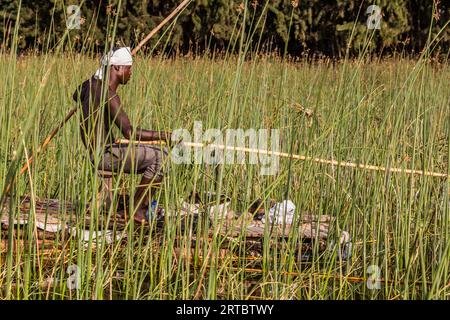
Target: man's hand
{"points": [[150, 135], [172, 143]]}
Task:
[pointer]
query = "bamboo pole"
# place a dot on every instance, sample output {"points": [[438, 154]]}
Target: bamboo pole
{"points": [[155, 30], [47, 140], [302, 158]]}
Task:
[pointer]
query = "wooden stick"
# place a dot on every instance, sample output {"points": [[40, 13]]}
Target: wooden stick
{"points": [[303, 158], [48, 139], [155, 30], [40, 148]]}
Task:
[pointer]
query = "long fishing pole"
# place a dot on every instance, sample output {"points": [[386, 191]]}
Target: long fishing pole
{"points": [[300, 157]]}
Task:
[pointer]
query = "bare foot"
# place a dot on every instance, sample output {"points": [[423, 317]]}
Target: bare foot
{"points": [[140, 217]]}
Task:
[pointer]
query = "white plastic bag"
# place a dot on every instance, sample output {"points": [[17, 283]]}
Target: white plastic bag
{"points": [[282, 211]]}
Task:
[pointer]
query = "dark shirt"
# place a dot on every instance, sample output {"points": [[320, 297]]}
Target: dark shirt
{"points": [[98, 115]]}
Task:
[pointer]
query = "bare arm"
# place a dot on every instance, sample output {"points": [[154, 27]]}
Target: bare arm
{"points": [[123, 123]]}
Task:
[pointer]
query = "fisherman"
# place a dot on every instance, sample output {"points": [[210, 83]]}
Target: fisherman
{"points": [[101, 109]]}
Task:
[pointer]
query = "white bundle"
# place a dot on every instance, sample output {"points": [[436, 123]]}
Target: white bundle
{"points": [[283, 211]]}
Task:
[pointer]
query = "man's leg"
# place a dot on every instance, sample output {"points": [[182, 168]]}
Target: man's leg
{"points": [[146, 160], [152, 159]]}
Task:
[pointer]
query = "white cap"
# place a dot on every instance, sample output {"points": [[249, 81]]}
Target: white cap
{"points": [[120, 57]]}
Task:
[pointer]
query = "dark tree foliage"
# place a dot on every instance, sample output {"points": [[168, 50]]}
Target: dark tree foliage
{"points": [[308, 27]]}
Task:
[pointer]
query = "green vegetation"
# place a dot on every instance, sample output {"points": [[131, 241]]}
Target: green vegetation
{"points": [[311, 27], [392, 113]]}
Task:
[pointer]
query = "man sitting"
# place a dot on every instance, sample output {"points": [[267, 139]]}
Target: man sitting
{"points": [[101, 108]]}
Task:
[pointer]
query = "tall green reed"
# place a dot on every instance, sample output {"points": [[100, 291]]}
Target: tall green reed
{"points": [[390, 113]]}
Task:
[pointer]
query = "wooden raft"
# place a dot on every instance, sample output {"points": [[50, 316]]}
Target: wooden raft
{"points": [[52, 216]]}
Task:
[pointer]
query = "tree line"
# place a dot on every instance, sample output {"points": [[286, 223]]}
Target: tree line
{"points": [[330, 28]]}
